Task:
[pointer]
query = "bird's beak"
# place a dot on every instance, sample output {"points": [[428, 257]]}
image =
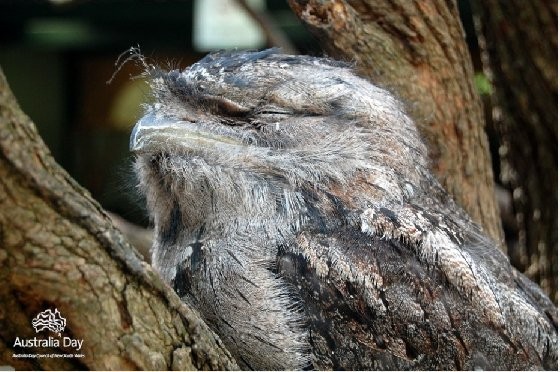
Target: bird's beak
{"points": [[148, 126], [134, 143], [155, 132]]}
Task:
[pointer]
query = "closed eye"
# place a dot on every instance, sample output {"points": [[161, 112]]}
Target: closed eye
{"points": [[225, 107]]}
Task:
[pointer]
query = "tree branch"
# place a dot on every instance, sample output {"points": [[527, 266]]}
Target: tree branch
{"points": [[58, 248]]}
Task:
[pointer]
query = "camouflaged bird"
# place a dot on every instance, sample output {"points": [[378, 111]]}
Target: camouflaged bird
{"points": [[294, 208]]}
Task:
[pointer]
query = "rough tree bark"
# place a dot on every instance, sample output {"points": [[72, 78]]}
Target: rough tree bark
{"points": [[417, 50], [520, 48], [59, 249]]}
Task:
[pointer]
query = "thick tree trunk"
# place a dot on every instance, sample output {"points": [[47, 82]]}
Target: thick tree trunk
{"points": [[416, 49], [518, 39], [58, 249]]}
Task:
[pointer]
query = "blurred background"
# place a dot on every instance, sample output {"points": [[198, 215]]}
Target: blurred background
{"points": [[60, 55]]}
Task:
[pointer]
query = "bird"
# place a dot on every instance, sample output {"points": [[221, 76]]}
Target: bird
{"points": [[295, 210]]}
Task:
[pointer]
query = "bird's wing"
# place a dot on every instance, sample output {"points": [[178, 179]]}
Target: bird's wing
{"points": [[373, 303]]}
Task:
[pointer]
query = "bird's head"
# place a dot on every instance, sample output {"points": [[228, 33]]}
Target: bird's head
{"points": [[238, 119]]}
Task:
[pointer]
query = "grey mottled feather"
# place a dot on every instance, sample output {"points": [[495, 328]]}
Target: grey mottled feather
{"points": [[294, 208]]}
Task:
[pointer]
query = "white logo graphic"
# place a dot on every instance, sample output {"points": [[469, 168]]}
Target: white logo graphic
{"points": [[34, 347], [52, 321]]}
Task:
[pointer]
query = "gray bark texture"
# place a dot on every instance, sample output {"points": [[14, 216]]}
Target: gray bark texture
{"points": [[520, 54], [417, 50], [58, 248]]}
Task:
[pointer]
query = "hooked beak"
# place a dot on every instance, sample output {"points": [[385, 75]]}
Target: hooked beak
{"points": [[148, 126], [156, 132]]}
